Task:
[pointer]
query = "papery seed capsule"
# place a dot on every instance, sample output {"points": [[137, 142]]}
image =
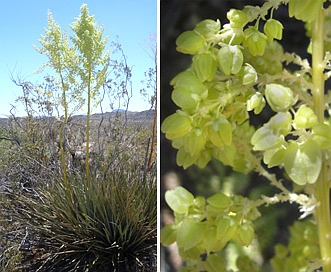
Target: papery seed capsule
{"points": [[203, 158], [189, 42], [273, 29], [178, 143], [237, 18], [279, 97], [322, 135], [281, 123], [195, 141], [240, 115], [232, 36], [219, 132], [220, 201], [230, 59], [188, 81], [225, 154], [256, 103], [208, 28], [245, 234], [303, 162], [184, 159], [214, 263], [305, 10], [176, 125], [248, 74], [205, 66], [184, 99], [226, 228], [211, 244], [305, 118], [296, 7], [179, 199], [190, 233], [264, 139], [255, 41], [274, 157], [168, 234]]}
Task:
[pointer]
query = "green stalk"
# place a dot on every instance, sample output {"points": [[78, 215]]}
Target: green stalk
{"points": [[87, 162], [65, 120], [322, 212]]}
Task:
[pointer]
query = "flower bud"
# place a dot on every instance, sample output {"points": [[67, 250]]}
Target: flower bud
{"points": [[189, 42], [279, 97], [253, 214], [273, 29], [230, 59]]}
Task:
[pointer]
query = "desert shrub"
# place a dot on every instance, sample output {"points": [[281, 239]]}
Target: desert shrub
{"points": [[120, 206]]}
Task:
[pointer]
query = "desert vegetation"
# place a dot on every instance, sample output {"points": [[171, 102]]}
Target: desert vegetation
{"points": [[78, 192]]}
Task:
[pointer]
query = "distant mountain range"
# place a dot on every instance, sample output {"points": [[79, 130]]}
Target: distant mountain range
{"points": [[147, 115], [118, 110]]}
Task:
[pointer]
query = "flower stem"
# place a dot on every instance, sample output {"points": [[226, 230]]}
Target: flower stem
{"points": [[322, 212]]}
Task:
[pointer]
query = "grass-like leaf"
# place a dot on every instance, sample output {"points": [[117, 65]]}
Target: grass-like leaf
{"points": [[109, 226]]}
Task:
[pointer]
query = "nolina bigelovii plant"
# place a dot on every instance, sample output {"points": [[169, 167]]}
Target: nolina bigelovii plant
{"points": [[240, 67], [81, 67]]}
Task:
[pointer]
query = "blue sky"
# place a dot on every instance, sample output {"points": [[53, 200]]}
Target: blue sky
{"points": [[22, 22]]}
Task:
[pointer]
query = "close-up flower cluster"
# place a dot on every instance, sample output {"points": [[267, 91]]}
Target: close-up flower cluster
{"points": [[239, 71]]}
